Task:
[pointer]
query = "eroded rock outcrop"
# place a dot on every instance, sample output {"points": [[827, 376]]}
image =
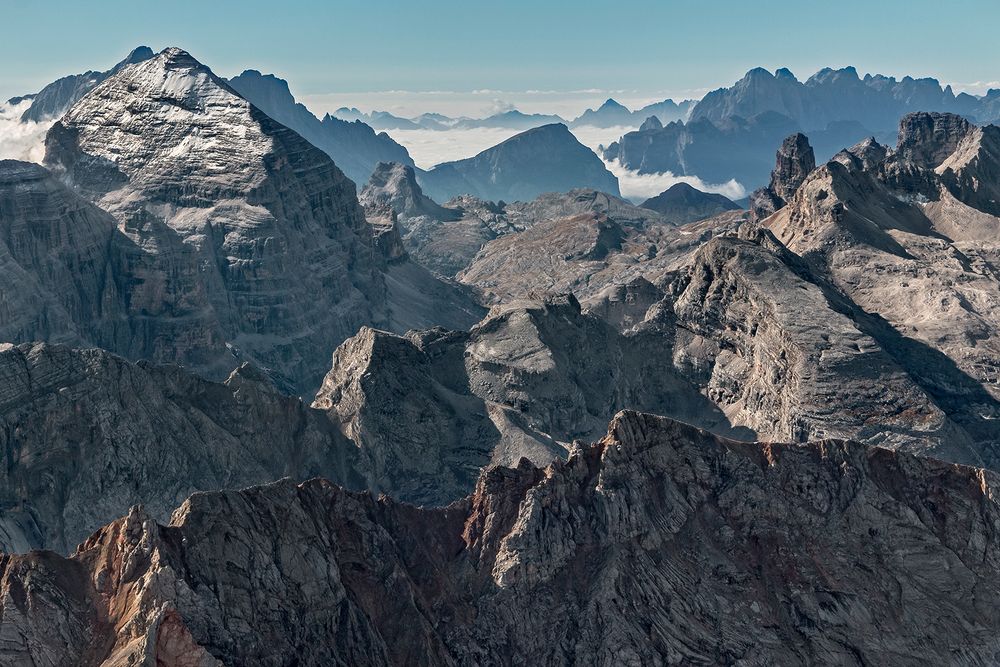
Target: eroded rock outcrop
{"points": [[431, 409], [593, 560], [793, 163], [585, 242]]}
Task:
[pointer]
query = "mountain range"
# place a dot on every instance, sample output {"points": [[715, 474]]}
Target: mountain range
{"points": [[354, 146], [732, 132], [609, 114], [493, 413]]}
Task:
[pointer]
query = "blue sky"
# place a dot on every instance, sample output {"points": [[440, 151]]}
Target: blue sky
{"points": [[354, 51]]}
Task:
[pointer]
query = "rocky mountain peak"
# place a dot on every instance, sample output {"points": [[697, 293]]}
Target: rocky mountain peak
{"points": [[651, 123], [870, 152], [252, 238], [793, 163], [784, 73], [794, 160], [395, 185], [138, 55], [548, 158], [926, 139], [682, 203], [612, 104]]}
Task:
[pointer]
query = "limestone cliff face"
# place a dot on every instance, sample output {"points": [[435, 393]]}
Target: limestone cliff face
{"points": [[184, 225], [261, 235], [599, 559], [86, 434], [785, 357], [63, 263]]}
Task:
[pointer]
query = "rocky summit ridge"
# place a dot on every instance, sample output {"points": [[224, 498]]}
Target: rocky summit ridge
{"points": [[829, 552]]}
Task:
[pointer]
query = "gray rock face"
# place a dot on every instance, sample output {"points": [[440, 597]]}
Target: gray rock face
{"points": [[86, 435], [524, 383], [789, 359], [681, 204], [971, 174], [544, 159], [251, 241], [794, 161], [927, 139], [584, 562], [395, 185], [62, 261], [354, 146]]}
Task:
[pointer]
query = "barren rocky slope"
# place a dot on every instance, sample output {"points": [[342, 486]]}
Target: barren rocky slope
{"points": [[660, 544], [910, 237], [526, 382], [589, 251], [448, 238], [85, 434]]}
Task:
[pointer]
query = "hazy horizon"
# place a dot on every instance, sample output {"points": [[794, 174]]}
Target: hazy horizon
{"points": [[538, 57]]}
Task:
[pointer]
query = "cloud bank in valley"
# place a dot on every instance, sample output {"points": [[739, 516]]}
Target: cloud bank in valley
{"points": [[432, 147], [639, 187], [20, 141]]}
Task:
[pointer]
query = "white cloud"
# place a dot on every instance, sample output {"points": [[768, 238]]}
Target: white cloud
{"points": [[975, 87], [431, 147], [640, 187], [596, 137], [499, 106], [21, 141]]}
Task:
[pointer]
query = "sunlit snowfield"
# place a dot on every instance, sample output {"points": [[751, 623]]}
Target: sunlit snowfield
{"points": [[432, 147]]}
